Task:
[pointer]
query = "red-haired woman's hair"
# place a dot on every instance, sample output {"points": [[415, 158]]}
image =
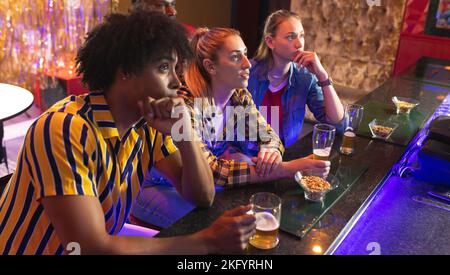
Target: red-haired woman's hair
{"points": [[206, 43]]}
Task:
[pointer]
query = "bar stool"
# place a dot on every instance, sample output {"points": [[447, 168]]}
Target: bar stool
{"points": [[137, 231], [3, 155], [14, 100], [3, 182]]}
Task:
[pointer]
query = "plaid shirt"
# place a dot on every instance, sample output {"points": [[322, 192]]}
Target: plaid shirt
{"points": [[246, 140]]}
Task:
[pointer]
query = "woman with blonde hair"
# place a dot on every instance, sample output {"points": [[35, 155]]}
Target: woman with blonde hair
{"points": [[287, 77], [225, 117], [219, 75]]}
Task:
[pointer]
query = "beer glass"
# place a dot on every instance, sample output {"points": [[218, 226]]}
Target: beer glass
{"points": [[323, 138], [353, 117], [267, 210]]}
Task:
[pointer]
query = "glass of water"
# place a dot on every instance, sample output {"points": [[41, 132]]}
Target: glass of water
{"points": [[353, 117], [322, 139]]}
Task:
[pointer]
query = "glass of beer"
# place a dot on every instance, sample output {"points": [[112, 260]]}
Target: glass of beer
{"points": [[267, 210], [353, 117], [323, 138]]}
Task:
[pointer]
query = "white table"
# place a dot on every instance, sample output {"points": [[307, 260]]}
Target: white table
{"points": [[13, 101]]}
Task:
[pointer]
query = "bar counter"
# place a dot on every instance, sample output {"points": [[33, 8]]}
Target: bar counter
{"points": [[328, 232]]}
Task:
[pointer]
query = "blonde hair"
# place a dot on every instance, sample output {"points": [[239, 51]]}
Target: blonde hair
{"points": [[273, 21], [205, 44]]}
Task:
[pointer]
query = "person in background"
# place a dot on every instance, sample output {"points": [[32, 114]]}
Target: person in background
{"points": [[217, 78], [83, 161], [289, 78], [168, 7]]}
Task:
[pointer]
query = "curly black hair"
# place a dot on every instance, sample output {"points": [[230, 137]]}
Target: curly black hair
{"points": [[128, 42]]}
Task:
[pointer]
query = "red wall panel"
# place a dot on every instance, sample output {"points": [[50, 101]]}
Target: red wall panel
{"points": [[413, 43]]}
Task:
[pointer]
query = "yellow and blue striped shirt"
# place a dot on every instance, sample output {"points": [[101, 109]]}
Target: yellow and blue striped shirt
{"points": [[74, 149]]}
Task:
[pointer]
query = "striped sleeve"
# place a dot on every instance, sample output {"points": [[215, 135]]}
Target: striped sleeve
{"points": [[61, 152], [163, 147]]}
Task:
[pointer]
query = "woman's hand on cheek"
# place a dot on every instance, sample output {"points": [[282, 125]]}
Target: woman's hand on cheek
{"points": [[311, 61]]}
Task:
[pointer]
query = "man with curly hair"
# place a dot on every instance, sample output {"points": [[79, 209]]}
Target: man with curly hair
{"points": [[153, 206], [84, 160]]}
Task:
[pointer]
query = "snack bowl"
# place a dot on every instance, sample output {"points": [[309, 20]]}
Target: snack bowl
{"points": [[314, 187], [404, 104], [382, 129]]}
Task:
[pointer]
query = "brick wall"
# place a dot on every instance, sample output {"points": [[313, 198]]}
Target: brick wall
{"points": [[357, 43]]}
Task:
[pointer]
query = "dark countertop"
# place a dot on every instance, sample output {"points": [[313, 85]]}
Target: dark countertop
{"points": [[403, 216], [429, 70], [399, 223], [377, 155], [382, 157]]}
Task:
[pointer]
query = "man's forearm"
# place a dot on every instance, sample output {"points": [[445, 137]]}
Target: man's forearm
{"points": [[197, 179], [189, 244]]}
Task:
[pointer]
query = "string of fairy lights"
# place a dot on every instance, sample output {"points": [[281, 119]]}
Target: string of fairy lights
{"points": [[40, 38]]}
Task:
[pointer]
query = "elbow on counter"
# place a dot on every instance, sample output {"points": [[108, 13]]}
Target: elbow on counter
{"points": [[208, 197], [204, 200], [208, 201]]}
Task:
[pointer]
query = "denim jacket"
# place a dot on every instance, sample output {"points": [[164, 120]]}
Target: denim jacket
{"points": [[302, 90]]}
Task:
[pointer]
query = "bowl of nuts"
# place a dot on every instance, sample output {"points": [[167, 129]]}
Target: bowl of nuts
{"points": [[314, 187], [404, 104], [382, 129]]}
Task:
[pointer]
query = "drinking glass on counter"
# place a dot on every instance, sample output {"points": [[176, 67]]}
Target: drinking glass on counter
{"points": [[353, 117], [322, 139], [267, 210]]}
